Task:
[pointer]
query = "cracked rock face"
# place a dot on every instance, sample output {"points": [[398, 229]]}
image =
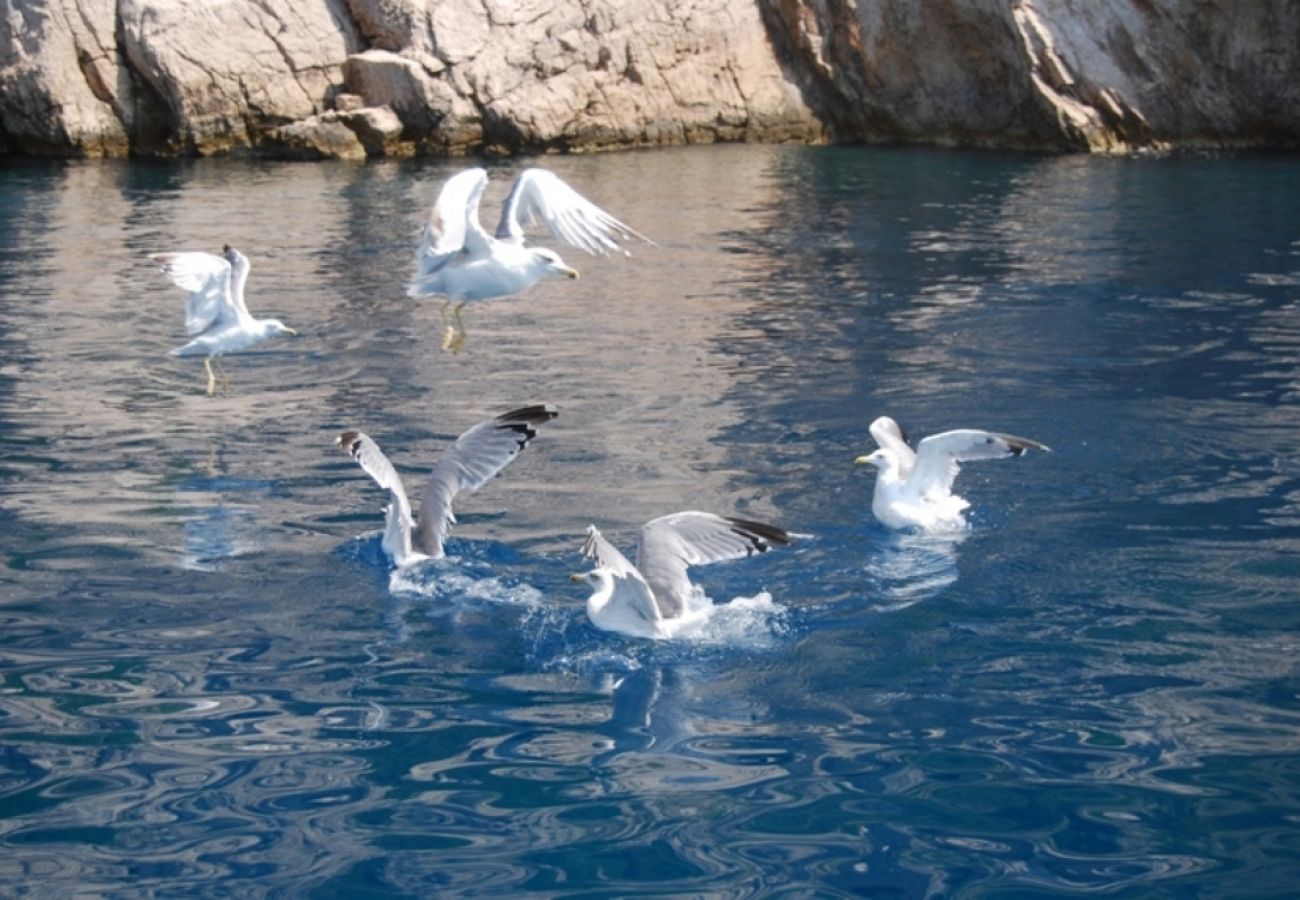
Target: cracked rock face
{"points": [[357, 78]]}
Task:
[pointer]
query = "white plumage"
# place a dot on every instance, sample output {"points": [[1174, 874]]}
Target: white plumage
{"points": [[215, 313], [466, 465], [652, 598], [459, 260], [914, 488]]}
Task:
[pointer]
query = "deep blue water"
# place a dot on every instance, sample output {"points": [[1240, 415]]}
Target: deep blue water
{"points": [[210, 685]]}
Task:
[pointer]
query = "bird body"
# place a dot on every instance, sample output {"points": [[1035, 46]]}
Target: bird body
{"points": [[459, 260], [914, 488], [652, 599], [216, 316], [476, 456]]}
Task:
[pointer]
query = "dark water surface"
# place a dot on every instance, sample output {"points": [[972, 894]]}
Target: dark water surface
{"points": [[210, 685]]}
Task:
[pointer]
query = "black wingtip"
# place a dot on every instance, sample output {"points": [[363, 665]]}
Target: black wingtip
{"points": [[524, 421], [349, 442], [529, 415], [761, 536]]}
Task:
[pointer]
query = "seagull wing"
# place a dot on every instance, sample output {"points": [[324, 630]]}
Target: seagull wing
{"points": [[671, 543], [939, 456], [453, 227], [466, 465], [539, 194], [207, 278], [397, 515], [629, 583], [889, 435]]}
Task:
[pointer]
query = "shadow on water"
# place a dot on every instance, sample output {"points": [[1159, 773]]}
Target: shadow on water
{"points": [[209, 675]]}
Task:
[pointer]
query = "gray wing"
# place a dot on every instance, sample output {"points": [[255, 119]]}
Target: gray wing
{"points": [[539, 194], [466, 465], [452, 229], [889, 435], [939, 456], [629, 583], [397, 516], [207, 278], [669, 544]]}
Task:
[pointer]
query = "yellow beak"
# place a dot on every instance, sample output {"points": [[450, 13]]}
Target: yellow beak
{"points": [[572, 273]]}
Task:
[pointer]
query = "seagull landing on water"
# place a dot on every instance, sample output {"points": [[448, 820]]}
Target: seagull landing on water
{"points": [[466, 465], [914, 487], [651, 599], [215, 313], [460, 261]]}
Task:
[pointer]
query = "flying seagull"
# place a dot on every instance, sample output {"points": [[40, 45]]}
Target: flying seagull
{"points": [[651, 598], [466, 465], [215, 313], [459, 260], [914, 488]]}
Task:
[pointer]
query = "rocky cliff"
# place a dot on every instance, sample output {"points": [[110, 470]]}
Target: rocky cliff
{"points": [[358, 78]]}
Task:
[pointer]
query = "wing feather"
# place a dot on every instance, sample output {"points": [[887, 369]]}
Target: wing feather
{"points": [[939, 456], [453, 228], [466, 465], [888, 434], [629, 583], [672, 543], [207, 278], [397, 516], [541, 195]]}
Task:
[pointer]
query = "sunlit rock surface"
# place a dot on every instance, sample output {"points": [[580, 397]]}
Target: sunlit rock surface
{"points": [[173, 77]]}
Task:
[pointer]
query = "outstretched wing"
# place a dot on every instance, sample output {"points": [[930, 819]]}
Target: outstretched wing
{"points": [[207, 278], [889, 435], [669, 544], [397, 516], [539, 194], [466, 465], [939, 456], [453, 228], [628, 581]]}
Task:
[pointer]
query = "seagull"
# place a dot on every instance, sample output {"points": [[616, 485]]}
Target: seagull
{"points": [[459, 260], [914, 487], [651, 598], [466, 465], [215, 313]]}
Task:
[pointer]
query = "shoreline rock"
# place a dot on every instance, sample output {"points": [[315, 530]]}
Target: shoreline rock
{"points": [[355, 79]]}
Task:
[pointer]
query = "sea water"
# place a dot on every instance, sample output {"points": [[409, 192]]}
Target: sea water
{"points": [[212, 684]]}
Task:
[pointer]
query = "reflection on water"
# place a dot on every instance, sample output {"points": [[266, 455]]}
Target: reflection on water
{"points": [[209, 675]]}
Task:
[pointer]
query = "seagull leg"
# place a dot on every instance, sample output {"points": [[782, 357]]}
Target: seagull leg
{"points": [[225, 379], [447, 332], [459, 343], [212, 378]]}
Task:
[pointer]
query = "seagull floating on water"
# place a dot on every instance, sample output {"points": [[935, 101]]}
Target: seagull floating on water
{"points": [[914, 487], [215, 313], [651, 599], [466, 465], [458, 259]]}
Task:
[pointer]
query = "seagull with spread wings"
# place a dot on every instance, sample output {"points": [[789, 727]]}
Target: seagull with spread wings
{"points": [[216, 316], [651, 599], [459, 260], [914, 487], [466, 465]]}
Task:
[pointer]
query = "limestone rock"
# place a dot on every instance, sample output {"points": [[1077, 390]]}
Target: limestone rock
{"points": [[177, 77], [317, 138], [227, 74]]}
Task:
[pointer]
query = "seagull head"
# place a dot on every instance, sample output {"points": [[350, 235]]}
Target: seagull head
{"points": [[550, 263], [275, 326], [598, 579], [881, 459]]}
